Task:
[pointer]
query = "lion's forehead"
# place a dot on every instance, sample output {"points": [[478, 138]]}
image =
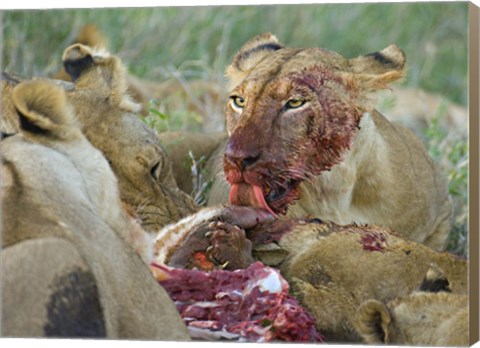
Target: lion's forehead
{"points": [[282, 72]]}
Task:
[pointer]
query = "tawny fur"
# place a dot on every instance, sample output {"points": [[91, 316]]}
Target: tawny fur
{"points": [[421, 318], [108, 118], [66, 260], [332, 269], [383, 175]]}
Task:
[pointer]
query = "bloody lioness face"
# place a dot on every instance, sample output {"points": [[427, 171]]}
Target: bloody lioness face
{"points": [[285, 130], [292, 114]]}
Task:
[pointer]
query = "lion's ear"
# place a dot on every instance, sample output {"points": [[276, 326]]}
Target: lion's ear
{"points": [[377, 70], [100, 71], [250, 55], [43, 109], [373, 322], [90, 36], [77, 59], [435, 281]]}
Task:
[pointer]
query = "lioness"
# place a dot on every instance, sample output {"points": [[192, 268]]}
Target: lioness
{"points": [[67, 267], [430, 316], [304, 139], [108, 118]]}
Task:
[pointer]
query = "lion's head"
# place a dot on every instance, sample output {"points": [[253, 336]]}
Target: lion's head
{"points": [[108, 118], [293, 113], [110, 122]]}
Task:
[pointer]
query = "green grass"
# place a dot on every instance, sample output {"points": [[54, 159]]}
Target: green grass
{"points": [[162, 117], [452, 155], [198, 43]]}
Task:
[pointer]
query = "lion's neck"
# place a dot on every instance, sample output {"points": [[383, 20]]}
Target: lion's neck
{"points": [[337, 195]]}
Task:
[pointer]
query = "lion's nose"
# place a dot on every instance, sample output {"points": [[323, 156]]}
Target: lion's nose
{"points": [[241, 158], [248, 161]]}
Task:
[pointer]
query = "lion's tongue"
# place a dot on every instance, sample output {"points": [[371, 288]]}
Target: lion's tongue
{"points": [[249, 195]]}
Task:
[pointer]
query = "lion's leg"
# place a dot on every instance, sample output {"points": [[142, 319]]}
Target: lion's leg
{"points": [[48, 290]]}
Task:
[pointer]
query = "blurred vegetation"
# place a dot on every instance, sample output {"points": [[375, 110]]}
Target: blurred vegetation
{"points": [[452, 156], [198, 43]]}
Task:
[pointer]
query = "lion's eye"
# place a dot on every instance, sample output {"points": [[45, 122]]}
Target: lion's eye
{"points": [[294, 103], [237, 102], [155, 170]]}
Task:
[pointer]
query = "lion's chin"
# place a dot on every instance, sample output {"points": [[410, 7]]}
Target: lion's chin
{"points": [[275, 201]]}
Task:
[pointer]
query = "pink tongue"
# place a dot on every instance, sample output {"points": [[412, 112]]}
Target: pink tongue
{"points": [[249, 195]]}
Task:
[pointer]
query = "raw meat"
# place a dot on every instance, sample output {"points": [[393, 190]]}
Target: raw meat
{"points": [[250, 304]]}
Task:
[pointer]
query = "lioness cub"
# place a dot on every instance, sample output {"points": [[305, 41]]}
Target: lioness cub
{"points": [[305, 139]]}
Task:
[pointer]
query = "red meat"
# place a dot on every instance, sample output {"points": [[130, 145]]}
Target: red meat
{"points": [[250, 304]]}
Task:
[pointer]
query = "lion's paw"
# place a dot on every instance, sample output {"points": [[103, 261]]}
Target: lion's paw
{"points": [[229, 247]]}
